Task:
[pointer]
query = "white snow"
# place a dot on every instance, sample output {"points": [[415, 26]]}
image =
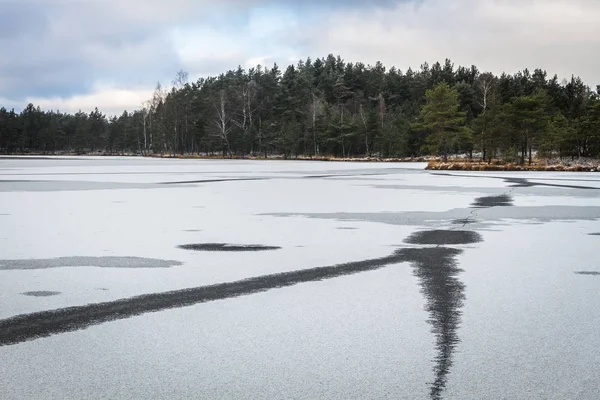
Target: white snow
{"points": [[529, 325]]}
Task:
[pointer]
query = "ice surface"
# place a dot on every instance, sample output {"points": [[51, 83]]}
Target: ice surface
{"points": [[520, 303]]}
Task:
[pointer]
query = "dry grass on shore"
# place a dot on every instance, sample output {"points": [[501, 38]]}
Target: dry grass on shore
{"points": [[538, 165], [299, 158]]}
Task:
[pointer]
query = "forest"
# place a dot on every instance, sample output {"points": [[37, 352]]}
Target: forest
{"points": [[329, 107]]}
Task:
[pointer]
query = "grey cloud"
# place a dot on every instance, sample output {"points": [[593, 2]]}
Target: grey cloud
{"points": [[62, 47], [559, 36], [16, 20]]}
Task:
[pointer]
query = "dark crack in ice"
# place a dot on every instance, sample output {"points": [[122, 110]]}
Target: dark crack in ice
{"points": [[41, 293], [226, 247], [526, 182], [444, 294], [45, 323], [464, 221], [502, 200], [215, 180], [444, 237], [435, 267]]}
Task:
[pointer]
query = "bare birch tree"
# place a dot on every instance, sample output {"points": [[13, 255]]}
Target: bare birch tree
{"points": [[246, 93], [145, 112], [382, 109], [316, 110], [485, 84], [181, 79], [223, 121], [157, 102], [363, 119]]}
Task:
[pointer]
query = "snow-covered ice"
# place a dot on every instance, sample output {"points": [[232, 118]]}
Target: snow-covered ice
{"points": [[507, 317]]}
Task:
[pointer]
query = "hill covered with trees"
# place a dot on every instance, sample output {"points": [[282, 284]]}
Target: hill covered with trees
{"points": [[330, 107]]}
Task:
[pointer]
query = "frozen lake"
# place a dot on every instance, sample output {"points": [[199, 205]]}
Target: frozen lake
{"points": [[128, 278]]}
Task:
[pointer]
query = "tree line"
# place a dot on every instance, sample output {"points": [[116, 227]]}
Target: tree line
{"points": [[329, 107]]}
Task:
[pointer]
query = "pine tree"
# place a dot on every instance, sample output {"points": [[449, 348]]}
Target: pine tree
{"points": [[443, 120]]}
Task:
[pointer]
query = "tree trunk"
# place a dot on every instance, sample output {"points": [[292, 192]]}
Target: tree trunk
{"points": [[260, 145], [444, 149]]}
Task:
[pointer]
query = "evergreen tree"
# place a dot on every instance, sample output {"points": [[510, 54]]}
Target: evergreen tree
{"points": [[527, 120], [442, 119], [326, 106]]}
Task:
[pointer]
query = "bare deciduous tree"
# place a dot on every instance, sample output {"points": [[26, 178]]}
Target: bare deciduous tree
{"points": [[363, 119], [223, 121], [246, 93], [158, 99], [145, 113], [181, 79], [382, 109], [485, 83], [316, 110]]}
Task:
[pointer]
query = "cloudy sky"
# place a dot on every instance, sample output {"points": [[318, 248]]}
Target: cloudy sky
{"points": [[79, 54]]}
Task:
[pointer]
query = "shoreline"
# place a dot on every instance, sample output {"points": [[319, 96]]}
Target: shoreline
{"points": [[433, 163], [220, 157]]}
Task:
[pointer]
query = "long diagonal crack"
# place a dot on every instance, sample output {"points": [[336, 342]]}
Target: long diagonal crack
{"points": [[26, 327]]}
